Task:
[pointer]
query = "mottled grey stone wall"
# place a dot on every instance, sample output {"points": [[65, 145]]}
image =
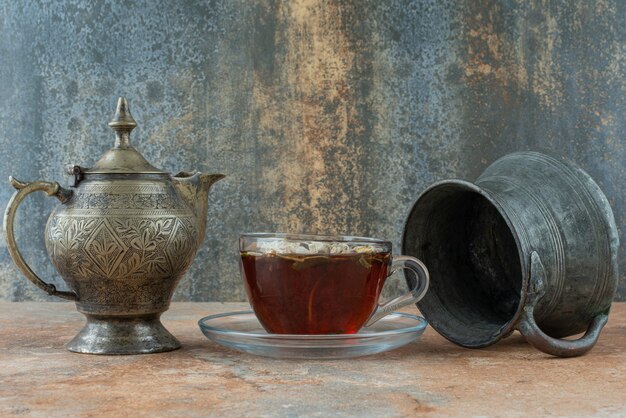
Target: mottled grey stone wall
{"points": [[327, 116]]}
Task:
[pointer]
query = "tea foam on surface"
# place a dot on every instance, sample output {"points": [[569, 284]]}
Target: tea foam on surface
{"points": [[311, 247]]}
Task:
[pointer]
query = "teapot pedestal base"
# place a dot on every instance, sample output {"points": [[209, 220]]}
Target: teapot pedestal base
{"points": [[123, 335]]}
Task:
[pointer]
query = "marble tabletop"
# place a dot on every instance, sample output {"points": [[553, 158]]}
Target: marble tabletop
{"points": [[431, 377]]}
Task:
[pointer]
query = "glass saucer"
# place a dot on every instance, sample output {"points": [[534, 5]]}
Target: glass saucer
{"points": [[242, 331]]}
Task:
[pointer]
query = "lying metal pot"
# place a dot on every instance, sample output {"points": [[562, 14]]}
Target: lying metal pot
{"points": [[531, 245]]}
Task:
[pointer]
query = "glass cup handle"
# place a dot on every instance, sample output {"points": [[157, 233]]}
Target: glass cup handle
{"points": [[416, 293]]}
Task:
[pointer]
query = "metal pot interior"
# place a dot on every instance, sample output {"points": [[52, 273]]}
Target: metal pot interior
{"points": [[474, 263]]}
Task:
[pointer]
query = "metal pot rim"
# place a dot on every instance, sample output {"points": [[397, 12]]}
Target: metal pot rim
{"points": [[511, 324]]}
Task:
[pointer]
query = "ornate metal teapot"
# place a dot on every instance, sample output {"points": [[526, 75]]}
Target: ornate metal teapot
{"points": [[122, 238]]}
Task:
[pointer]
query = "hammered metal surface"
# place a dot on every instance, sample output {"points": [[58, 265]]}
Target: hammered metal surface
{"points": [[531, 241], [327, 116]]}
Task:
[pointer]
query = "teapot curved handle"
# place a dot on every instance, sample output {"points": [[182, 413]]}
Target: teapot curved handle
{"points": [[23, 190]]}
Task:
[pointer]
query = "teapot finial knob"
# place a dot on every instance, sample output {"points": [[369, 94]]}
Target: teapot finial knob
{"points": [[122, 123]]}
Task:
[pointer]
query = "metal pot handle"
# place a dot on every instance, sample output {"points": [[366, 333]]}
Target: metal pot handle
{"points": [[537, 338], [417, 291], [23, 190]]}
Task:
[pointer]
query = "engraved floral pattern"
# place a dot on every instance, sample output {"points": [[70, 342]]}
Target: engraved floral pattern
{"points": [[121, 248], [124, 201]]}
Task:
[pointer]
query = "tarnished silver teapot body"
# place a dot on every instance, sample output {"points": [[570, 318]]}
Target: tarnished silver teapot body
{"points": [[122, 238]]}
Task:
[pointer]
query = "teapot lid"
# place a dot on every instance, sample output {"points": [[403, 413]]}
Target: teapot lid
{"points": [[123, 158]]}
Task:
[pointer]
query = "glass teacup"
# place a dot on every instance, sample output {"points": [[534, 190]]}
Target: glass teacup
{"points": [[318, 284]]}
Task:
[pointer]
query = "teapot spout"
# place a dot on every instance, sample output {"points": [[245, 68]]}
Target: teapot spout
{"points": [[194, 189]]}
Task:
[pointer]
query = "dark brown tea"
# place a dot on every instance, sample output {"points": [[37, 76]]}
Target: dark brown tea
{"points": [[314, 293]]}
